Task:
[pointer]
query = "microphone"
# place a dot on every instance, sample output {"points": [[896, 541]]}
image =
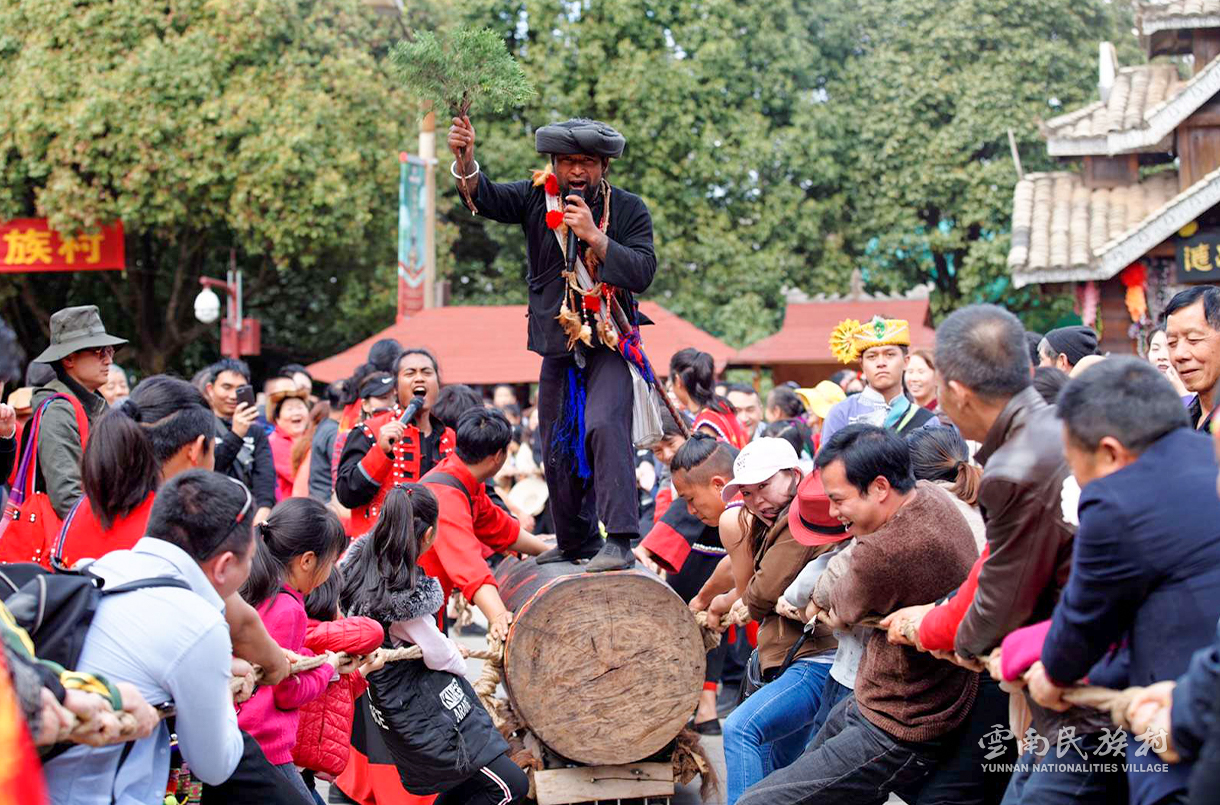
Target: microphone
{"points": [[575, 191], [411, 410], [417, 402]]}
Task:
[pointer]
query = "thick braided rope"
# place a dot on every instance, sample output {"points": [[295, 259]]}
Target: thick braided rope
{"points": [[492, 654], [77, 729], [1115, 702]]}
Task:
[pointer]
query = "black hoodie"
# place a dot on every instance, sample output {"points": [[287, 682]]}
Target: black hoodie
{"points": [[432, 722]]}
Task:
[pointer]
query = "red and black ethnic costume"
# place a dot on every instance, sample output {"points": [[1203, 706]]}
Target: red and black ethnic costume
{"points": [[584, 390], [724, 424], [367, 474], [467, 522]]}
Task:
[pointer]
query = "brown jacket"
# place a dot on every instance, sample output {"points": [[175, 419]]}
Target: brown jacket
{"points": [[1031, 544], [923, 552], [1021, 497], [777, 562]]}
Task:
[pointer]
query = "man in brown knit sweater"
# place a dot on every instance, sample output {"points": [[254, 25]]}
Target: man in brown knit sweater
{"points": [[912, 544]]}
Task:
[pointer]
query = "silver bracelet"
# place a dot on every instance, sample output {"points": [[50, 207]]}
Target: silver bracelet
{"points": [[453, 170]]}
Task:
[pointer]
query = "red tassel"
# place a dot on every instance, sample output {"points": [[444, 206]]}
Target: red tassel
{"points": [[552, 186], [554, 218], [592, 302]]}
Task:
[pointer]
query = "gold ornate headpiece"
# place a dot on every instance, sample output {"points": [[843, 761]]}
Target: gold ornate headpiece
{"points": [[851, 338]]}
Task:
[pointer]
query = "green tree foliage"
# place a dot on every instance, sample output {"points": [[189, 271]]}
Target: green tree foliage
{"points": [[784, 144], [457, 71], [270, 127], [921, 111], [708, 95], [777, 144]]}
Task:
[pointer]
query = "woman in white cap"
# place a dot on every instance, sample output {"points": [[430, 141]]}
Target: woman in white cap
{"points": [[770, 729]]}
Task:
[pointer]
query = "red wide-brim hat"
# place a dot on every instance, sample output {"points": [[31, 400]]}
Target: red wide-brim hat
{"points": [[809, 515]]}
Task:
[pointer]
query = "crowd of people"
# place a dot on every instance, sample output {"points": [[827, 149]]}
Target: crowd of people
{"points": [[917, 565], [980, 531]]}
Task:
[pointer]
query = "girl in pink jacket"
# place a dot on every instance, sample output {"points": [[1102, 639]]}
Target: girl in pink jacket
{"points": [[297, 548]]}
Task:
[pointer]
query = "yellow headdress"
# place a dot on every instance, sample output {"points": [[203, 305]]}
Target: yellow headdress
{"points": [[851, 338]]}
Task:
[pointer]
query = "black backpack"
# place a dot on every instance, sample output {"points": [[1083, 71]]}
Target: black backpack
{"points": [[57, 609]]}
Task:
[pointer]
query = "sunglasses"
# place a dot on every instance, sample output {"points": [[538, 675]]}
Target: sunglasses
{"points": [[221, 536], [99, 352]]}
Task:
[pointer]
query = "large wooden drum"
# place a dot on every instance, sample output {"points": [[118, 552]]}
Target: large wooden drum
{"points": [[605, 668]]}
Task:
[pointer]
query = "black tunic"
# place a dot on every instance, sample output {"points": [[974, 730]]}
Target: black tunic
{"points": [[630, 262]]}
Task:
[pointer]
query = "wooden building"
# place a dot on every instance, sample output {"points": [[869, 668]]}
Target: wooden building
{"points": [[1118, 227], [800, 351]]}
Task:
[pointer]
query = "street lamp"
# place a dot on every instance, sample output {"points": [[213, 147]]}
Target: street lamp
{"points": [[207, 306], [238, 335]]}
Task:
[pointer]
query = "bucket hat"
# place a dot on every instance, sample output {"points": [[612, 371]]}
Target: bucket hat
{"points": [[74, 329]]}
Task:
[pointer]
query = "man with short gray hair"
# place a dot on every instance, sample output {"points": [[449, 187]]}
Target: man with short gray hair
{"points": [[1192, 333], [985, 388]]}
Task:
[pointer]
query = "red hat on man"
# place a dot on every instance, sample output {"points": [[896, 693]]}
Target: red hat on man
{"points": [[809, 516]]}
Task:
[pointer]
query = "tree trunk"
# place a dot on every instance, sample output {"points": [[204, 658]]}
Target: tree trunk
{"points": [[605, 668]]}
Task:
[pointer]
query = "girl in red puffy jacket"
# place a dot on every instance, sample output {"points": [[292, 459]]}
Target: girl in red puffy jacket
{"points": [[325, 729]]}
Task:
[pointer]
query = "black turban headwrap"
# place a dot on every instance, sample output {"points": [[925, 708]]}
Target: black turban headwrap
{"points": [[580, 136], [1073, 343]]}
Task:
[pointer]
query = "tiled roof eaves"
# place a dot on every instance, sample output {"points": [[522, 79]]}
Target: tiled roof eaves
{"points": [[1159, 122], [1119, 252], [1188, 205], [1071, 118], [1177, 22]]}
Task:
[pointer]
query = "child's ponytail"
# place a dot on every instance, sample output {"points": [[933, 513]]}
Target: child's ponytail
{"points": [[296, 526], [389, 562]]}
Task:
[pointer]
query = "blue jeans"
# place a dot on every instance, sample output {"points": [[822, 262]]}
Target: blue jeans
{"points": [[1040, 786], [832, 694], [769, 730], [851, 762]]}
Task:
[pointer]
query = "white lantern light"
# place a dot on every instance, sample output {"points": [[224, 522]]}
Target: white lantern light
{"points": [[207, 306]]}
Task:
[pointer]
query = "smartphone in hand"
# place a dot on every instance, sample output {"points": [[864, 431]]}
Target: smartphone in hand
{"points": [[245, 394]]}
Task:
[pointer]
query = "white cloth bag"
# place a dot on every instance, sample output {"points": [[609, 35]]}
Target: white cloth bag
{"points": [[645, 412]]}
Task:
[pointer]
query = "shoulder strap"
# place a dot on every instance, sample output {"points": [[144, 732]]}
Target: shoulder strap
{"points": [[28, 470], [452, 481], [78, 410], [29, 461], [82, 419], [57, 553], [906, 420], [144, 584]]}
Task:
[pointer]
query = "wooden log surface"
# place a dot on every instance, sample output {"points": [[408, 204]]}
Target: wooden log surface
{"points": [[603, 783], [605, 668]]}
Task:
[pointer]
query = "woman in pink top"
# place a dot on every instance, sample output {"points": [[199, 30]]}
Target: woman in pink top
{"points": [[297, 548], [290, 413]]}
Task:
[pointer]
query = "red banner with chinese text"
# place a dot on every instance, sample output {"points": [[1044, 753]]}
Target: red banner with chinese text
{"points": [[29, 244]]}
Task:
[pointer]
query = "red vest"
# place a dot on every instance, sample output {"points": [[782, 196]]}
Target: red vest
{"points": [[405, 465]]}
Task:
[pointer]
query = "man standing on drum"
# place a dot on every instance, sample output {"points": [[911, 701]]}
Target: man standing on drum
{"points": [[584, 390]]}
